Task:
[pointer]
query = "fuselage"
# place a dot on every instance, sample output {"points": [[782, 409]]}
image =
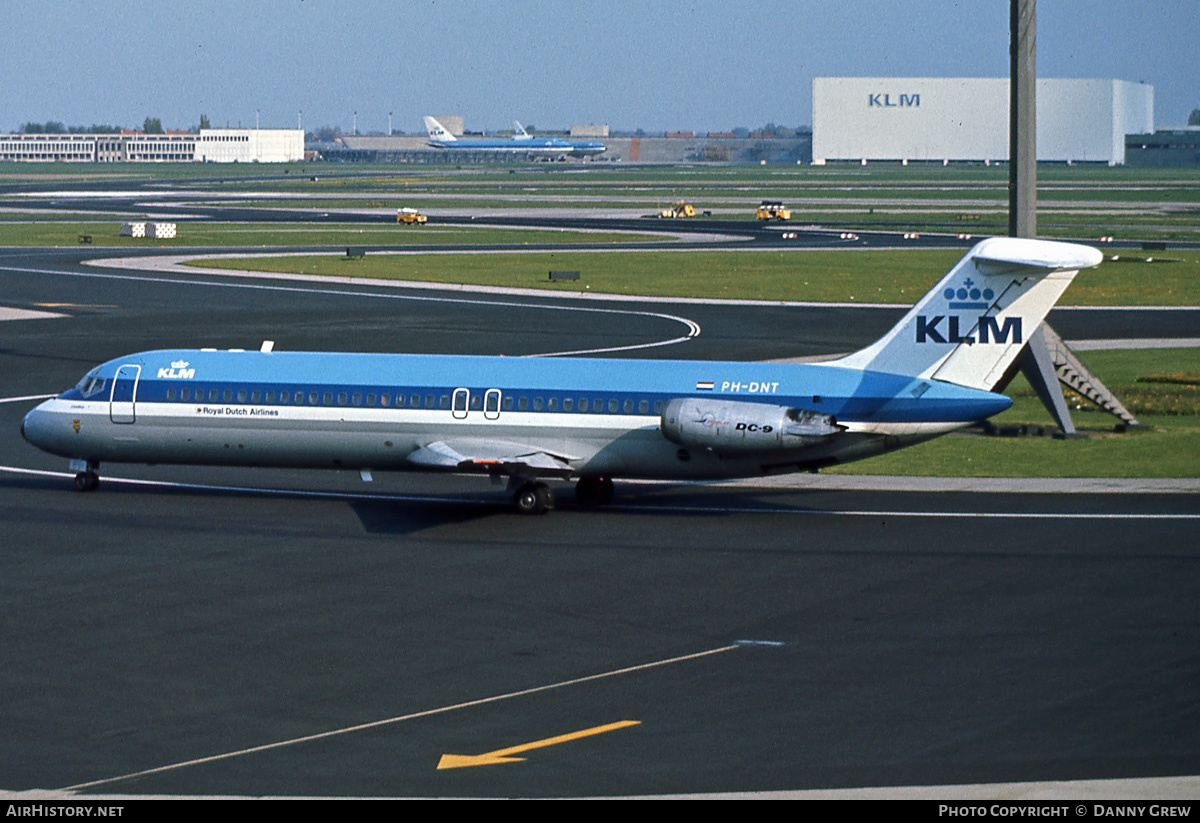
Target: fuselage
{"points": [[531, 145], [595, 416]]}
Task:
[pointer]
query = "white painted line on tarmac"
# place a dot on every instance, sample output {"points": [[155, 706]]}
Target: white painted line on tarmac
{"points": [[692, 326], [402, 718], [8, 313], [638, 507], [629, 506], [27, 397]]}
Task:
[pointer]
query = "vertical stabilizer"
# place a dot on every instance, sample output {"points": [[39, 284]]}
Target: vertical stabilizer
{"points": [[437, 131], [974, 323]]}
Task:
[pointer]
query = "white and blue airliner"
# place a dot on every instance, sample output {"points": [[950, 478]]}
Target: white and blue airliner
{"points": [[528, 420], [522, 142]]}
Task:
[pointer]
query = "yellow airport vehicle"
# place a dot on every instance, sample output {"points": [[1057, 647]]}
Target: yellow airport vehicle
{"points": [[773, 210], [411, 217], [681, 208]]}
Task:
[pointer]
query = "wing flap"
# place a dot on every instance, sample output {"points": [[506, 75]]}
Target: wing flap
{"points": [[500, 458]]}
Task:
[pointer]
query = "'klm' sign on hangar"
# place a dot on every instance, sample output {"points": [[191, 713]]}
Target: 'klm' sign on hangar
{"points": [[955, 119]]}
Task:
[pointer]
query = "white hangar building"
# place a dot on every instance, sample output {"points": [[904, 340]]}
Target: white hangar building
{"points": [[209, 146], [966, 119]]}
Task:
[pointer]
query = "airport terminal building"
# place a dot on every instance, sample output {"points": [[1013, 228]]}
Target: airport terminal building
{"points": [[943, 119], [207, 146]]}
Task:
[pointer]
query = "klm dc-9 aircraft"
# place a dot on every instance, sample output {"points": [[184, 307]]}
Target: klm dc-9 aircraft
{"points": [[591, 420]]}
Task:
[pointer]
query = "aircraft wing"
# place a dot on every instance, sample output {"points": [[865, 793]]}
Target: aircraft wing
{"points": [[498, 458]]}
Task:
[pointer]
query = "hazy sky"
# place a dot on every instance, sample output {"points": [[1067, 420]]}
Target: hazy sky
{"points": [[686, 65]]}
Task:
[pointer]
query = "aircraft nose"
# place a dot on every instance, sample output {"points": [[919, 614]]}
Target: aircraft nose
{"points": [[34, 427], [28, 422]]}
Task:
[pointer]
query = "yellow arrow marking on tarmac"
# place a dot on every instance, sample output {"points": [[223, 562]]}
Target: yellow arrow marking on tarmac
{"points": [[458, 761]]}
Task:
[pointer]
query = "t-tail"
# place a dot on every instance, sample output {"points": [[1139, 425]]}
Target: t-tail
{"points": [[971, 327], [437, 131]]}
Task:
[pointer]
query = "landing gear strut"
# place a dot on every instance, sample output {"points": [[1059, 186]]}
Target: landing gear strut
{"points": [[534, 498], [594, 491]]}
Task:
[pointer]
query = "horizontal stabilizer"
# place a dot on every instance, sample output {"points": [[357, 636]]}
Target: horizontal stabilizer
{"points": [[1016, 255]]}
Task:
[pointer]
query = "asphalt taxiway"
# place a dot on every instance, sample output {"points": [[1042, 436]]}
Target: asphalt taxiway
{"points": [[218, 631]]}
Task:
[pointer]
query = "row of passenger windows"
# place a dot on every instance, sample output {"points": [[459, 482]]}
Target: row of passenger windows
{"points": [[461, 401]]}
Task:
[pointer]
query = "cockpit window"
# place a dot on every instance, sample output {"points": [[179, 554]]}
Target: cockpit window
{"points": [[91, 385]]}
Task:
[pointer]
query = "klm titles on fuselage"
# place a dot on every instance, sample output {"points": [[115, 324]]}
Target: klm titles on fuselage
{"points": [[178, 371], [886, 101]]}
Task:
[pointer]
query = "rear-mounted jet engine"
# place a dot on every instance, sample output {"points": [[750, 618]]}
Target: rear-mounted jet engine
{"points": [[730, 427]]}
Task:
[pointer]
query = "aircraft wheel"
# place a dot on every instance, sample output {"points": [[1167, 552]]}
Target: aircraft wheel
{"points": [[534, 498], [87, 481], [594, 491]]}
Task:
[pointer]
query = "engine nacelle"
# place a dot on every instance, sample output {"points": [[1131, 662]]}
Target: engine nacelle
{"points": [[732, 427]]}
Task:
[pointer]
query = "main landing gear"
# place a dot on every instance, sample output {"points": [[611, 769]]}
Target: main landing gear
{"points": [[534, 498], [594, 491], [537, 498]]}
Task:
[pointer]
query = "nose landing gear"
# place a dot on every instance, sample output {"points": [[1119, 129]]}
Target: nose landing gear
{"points": [[88, 476]]}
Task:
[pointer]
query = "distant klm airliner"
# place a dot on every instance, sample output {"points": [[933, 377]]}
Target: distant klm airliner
{"points": [[520, 143], [592, 420]]}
